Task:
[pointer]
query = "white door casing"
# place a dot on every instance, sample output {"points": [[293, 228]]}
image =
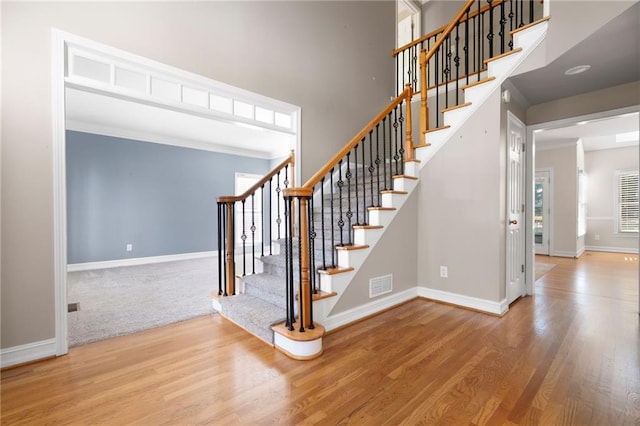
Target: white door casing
{"points": [[515, 234], [542, 216]]}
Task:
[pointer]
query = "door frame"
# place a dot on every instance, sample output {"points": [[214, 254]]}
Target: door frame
{"points": [[513, 119], [549, 218], [59, 41], [531, 173]]}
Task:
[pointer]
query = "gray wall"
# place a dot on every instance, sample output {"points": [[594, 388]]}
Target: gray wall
{"points": [[160, 198], [564, 163], [600, 167], [330, 58], [462, 210]]}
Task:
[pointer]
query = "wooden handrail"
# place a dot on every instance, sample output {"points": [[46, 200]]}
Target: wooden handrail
{"points": [[233, 198], [313, 180], [425, 37]]}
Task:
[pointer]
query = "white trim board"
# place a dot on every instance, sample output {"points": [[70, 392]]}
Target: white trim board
{"points": [[27, 353], [359, 312], [612, 249], [483, 305], [74, 267]]}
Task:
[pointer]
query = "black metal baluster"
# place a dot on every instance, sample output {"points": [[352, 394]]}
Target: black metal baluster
{"points": [[355, 167], [322, 230], [270, 218], [479, 38], [466, 46], [312, 245], [384, 152], [503, 20], [456, 61], [521, 24], [414, 67], [490, 35], [364, 187], [437, 72], [243, 237], [531, 11], [378, 160], [348, 175], [300, 293], [224, 254], [332, 222], [371, 167], [446, 59], [340, 185], [220, 250], [511, 26], [288, 259], [402, 136], [395, 139], [253, 233], [262, 220], [278, 195]]}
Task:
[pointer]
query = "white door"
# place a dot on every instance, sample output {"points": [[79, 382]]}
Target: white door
{"points": [[542, 212], [515, 208]]}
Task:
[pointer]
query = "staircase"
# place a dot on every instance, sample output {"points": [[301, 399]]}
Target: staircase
{"points": [[265, 298]]}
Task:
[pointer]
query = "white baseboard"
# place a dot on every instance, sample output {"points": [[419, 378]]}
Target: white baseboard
{"points": [[488, 306], [612, 249], [74, 267], [27, 353], [343, 318], [559, 253]]}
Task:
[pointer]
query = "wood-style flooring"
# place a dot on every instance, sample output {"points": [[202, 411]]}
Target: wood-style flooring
{"points": [[569, 355]]}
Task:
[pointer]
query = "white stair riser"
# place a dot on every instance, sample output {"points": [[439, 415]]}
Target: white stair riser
{"points": [[352, 258], [477, 94], [402, 184], [456, 116]]}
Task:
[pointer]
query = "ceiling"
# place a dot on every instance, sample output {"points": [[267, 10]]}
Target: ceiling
{"points": [[99, 113], [595, 134], [613, 52]]}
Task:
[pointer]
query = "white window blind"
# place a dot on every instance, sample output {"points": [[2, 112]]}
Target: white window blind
{"points": [[627, 201]]}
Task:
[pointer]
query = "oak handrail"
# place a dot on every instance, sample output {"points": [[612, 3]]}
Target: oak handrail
{"points": [[425, 37], [317, 177], [234, 198]]}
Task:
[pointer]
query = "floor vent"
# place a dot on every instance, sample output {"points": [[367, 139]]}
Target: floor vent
{"points": [[73, 307], [380, 285]]}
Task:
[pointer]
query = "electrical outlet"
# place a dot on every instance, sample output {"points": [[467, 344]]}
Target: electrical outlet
{"points": [[596, 237], [129, 247], [444, 272]]}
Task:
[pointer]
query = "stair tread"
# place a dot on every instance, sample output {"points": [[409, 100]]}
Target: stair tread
{"points": [[253, 314], [503, 55]]}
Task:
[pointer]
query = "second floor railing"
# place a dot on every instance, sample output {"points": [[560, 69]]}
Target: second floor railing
{"points": [[456, 53]]}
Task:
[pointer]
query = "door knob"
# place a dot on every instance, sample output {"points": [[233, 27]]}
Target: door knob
{"points": [[513, 222]]}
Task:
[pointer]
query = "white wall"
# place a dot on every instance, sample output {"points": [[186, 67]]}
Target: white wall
{"points": [[601, 166], [563, 161], [331, 58]]}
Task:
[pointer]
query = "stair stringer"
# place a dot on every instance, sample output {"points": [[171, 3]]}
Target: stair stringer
{"points": [[338, 283], [527, 39]]}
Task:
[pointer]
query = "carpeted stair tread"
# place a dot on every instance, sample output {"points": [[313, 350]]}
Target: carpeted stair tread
{"points": [[268, 287], [253, 314]]}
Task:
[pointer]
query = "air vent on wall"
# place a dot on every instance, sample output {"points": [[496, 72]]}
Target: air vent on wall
{"points": [[380, 285]]}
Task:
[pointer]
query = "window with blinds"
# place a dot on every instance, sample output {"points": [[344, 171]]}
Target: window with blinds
{"points": [[627, 201]]}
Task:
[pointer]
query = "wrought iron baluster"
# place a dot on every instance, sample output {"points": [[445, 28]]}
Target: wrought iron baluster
{"points": [[300, 283], [446, 59], [521, 24], [322, 230], [456, 61], [253, 233], [402, 134], [531, 11], [288, 256], [243, 237], [221, 250], [511, 25], [466, 46], [377, 161], [503, 20], [395, 140], [278, 195], [348, 175], [262, 220], [490, 34], [312, 245], [270, 218], [355, 167], [364, 188], [384, 152], [437, 72], [224, 238], [332, 221], [340, 185]]}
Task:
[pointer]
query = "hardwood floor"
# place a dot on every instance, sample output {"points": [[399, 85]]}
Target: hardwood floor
{"points": [[569, 355]]}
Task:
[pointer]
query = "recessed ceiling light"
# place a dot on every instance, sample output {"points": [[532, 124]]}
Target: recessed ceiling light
{"points": [[577, 70], [627, 137]]}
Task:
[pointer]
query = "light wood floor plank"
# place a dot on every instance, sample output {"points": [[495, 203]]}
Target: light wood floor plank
{"points": [[570, 355]]}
